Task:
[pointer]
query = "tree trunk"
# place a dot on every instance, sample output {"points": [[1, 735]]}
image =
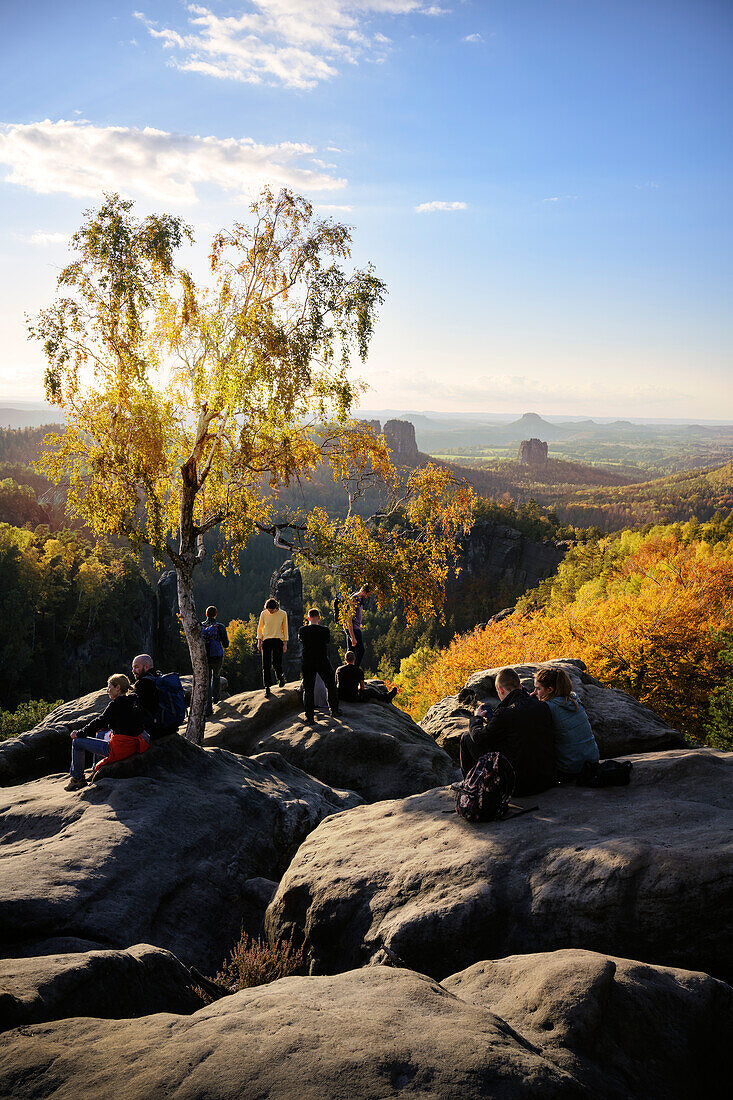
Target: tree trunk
{"points": [[187, 608], [197, 650]]}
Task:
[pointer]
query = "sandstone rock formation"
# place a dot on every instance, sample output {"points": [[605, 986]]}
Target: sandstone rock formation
{"points": [[112, 984], [46, 749], [505, 561], [641, 872], [169, 848], [371, 1034], [532, 452], [400, 438], [168, 626], [620, 723], [373, 749], [624, 1030], [286, 586]]}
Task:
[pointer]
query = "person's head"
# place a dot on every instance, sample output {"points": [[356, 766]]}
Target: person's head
{"points": [[314, 616], [117, 685], [350, 657], [211, 612], [141, 664], [365, 590], [507, 681], [552, 683], [272, 605]]}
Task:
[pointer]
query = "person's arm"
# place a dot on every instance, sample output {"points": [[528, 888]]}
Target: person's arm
{"points": [[284, 630], [260, 630], [223, 636], [103, 721]]}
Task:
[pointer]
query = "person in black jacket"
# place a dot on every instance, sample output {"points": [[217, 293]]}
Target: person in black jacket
{"points": [[147, 694], [520, 728], [315, 640], [123, 717]]}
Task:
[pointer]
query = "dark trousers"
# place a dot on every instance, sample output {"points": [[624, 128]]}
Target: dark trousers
{"points": [[469, 753], [358, 648], [368, 695], [214, 689], [272, 654], [324, 670]]}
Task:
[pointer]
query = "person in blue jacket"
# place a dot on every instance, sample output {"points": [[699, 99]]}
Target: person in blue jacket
{"points": [[575, 744]]}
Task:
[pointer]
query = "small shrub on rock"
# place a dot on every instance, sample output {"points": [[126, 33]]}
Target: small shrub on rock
{"points": [[254, 961]]}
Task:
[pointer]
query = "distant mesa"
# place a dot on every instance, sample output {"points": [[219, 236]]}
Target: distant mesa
{"points": [[400, 437], [532, 452]]}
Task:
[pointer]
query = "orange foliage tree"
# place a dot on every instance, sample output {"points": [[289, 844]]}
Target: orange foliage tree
{"points": [[650, 622]]}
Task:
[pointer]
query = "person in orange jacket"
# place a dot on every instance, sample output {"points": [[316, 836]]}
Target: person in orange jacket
{"points": [[123, 720]]}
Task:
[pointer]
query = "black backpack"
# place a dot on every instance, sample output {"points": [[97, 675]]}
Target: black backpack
{"points": [[485, 792]]}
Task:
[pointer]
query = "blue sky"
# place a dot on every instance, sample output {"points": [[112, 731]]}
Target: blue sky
{"points": [[545, 185]]}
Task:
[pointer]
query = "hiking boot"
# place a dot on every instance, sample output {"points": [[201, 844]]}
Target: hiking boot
{"points": [[75, 783], [335, 713], [268, 693], [281, 681], [310, 718]]}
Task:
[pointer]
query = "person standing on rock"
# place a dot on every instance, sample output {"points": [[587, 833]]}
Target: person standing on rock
{"points": [[272, 642], [216, 641], [123, 720], [315, 640], [520, 728], [353, 634], [351, 685]]}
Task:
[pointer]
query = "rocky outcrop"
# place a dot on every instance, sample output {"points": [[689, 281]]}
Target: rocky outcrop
{"points": [[400, 438], [46, 748], [624, 1030], [619, 871], [169, 848], [111, 984], [505, 561], [532, 452], [371, 748], [168, 624], [620, 723], [371, 1034], [286, 586]]}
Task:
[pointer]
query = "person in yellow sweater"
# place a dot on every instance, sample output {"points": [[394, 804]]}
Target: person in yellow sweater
{"points": [[272, 641]]}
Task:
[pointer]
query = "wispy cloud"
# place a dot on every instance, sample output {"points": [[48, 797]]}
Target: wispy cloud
{"points": [[435, 207], [561, 198], [77, 158], [477, 37], [650, 185], [332, 208], [42, 238], [285, 42]]}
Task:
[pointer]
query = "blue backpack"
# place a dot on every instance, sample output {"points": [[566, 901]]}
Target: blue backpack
{"points": [[210, 631], [171, 701]]}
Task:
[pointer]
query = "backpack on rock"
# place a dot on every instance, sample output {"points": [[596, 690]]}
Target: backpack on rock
{"points": [[485, 792]]}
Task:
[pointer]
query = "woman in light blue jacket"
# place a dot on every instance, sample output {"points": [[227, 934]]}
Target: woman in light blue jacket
{"points": [[575, 744]]}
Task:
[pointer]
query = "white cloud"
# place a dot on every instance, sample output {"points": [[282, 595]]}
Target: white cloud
{"points": [[433, 207], [561, 198], [42, 238], [650, 185], [77, 158], [331, 208], [281, 41], [477, 37]]}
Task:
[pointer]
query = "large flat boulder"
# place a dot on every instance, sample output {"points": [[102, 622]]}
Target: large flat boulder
{"points": [[169, 848], [641, 872], [115, 984], [623, 1029], [372, 748], [373, 1034], [46, 748], [620, 723]]}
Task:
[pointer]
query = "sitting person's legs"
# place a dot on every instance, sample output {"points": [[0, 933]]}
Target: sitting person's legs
{"points": [[82, 745], [469, 753]]}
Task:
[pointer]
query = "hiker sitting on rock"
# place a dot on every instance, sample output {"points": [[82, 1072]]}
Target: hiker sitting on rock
{"points": [[351, 686], [520, 728], [575, 744], [147, 694], [123, 720]]}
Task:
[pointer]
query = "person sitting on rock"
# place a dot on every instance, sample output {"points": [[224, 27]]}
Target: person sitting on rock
{"points": [[123, 720], [272, 641], [575, 744], [146, 691], [315, 640], [520, 728], [351, 686]]}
